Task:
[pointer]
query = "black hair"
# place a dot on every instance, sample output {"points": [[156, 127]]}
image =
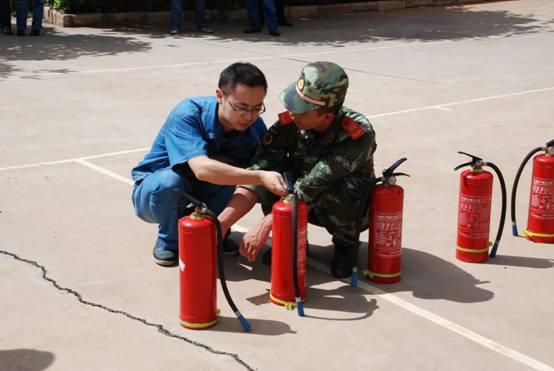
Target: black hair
{"points": [[241, 73]]}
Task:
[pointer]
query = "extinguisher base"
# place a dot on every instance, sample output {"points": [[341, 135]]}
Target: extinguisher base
{"points": [[385, 278], [539, 237], [198, 326], [287, 304], [472, 255]]}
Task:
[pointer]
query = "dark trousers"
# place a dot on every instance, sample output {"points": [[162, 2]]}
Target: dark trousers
{"points": [[279, 8], [5, 14]]}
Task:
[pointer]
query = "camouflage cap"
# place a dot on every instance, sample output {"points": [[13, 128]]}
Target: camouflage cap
{"points": [[321, 84]]}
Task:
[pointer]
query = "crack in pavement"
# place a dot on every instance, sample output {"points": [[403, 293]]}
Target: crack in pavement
{"points": [[160, 327]]}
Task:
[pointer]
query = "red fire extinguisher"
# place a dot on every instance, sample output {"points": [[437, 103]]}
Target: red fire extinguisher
{"points": [[199, 250], [385, 228], [289, 250], [474, 211], [540, 223]]}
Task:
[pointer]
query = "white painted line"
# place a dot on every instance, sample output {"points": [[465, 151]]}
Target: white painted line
{"points": [[75, 159], [154, 67], [105, 171], [441, 106], [261, 57], [443, 322], [220, 61]]}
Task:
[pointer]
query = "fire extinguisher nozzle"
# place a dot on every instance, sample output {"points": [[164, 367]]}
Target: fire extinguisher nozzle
{"points": [[354, 278], [494, 248], [514, 230], [244, 323], [300, 307]]}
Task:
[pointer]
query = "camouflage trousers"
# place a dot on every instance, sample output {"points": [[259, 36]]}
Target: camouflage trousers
{"points": [[342, 210]]}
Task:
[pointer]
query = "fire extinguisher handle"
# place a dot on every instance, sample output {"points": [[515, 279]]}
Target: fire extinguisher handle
{"points": [[400, 174], [475, 161], [469, 163], [390, 170], [503, 212], [193, 200], [550, 144], [289, 180], [514, 188]]}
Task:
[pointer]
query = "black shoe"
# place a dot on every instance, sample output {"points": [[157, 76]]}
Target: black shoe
{"points": [[7, 31], [285, 24], [342, 262], [266, 257], [252, 30], [229, 247], [165, 257], [20, 33], [35, 32], [274, 33]]}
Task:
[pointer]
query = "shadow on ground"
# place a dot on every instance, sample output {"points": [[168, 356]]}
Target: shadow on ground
{"points": [[425, 275], [58, 45], [430, 277], [521, 261], [349, 304], [424, 24], [25, 359], [259, 326]]}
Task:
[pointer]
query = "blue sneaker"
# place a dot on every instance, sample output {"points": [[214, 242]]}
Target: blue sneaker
{"points": [[165, 257]]}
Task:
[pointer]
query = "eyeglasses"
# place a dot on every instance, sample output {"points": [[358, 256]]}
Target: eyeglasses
{"points": [[245, 109]]}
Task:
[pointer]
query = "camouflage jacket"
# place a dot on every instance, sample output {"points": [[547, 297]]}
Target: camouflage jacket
{"points": [[318, 161]]}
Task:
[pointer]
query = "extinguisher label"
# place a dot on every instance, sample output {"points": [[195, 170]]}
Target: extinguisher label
{"points": [[301, 244], [474, 216], [388, 232], [542, 198]]}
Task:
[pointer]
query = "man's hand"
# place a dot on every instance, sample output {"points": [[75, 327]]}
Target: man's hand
{"points": [[274, 182], [253, 240]]}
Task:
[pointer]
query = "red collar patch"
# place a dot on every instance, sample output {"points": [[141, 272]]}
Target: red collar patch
{"points": [[285, 118], [352, 128]]}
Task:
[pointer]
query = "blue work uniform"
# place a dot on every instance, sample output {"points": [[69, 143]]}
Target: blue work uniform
{"points": [[191, 130]]}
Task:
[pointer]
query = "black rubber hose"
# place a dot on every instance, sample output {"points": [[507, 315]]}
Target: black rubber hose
{"points": [[503, 212], [514, 188]]}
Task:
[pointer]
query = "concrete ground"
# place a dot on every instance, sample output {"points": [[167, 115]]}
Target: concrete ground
{"points": [[80, 107]]}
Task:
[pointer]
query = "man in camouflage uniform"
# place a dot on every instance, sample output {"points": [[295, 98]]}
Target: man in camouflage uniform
{"points": [[328, 149]]}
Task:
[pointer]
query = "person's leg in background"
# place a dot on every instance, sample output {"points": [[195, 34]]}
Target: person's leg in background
{"points": [[200, 8], [281, 17], [38, 14], [5, 17], [21, 9], [271, 17], [253, 15], [176, 16]]}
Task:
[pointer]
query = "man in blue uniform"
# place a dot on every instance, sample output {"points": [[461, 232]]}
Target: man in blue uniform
{"points": [[202, 149]]}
